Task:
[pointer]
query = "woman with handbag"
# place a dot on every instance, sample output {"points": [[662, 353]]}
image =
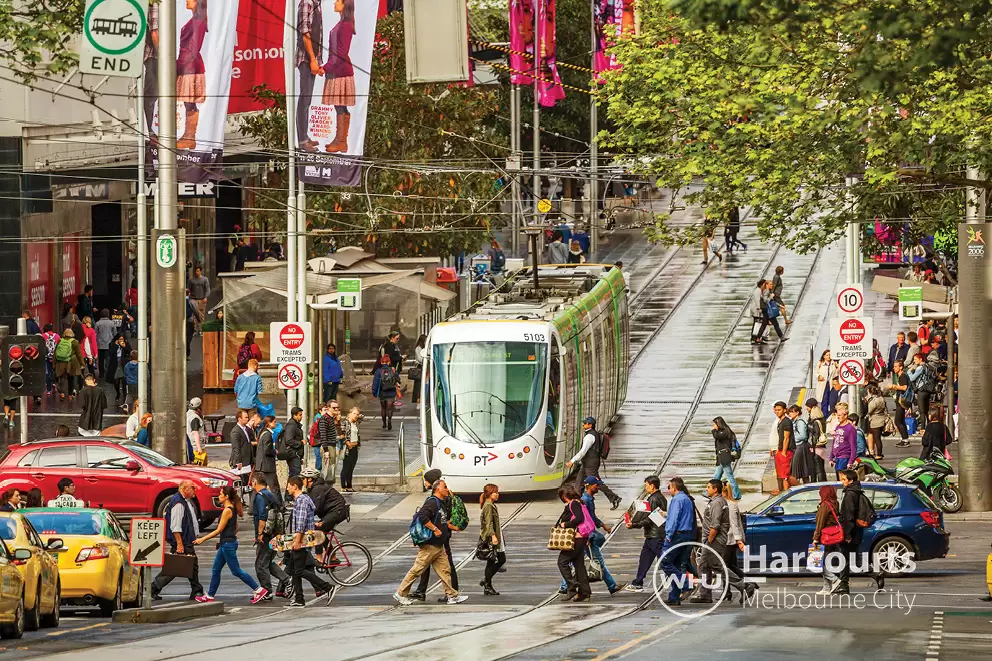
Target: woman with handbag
{"points": [[576, 524], [829, 533], [490, 538]]}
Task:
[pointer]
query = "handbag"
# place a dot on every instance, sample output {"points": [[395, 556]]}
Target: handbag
{"points": [[485, 550], [834, 534], [593, 571], [561, 539], [890, 426], [415, 372]]}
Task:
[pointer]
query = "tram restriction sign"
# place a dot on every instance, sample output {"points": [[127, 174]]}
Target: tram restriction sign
{"points": [[850, 300], [290, 376], [113, 42], [852, 372], [289, 342], [851, 338]]}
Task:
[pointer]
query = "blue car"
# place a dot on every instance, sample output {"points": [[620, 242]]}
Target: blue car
{"points": [[909, 527]]}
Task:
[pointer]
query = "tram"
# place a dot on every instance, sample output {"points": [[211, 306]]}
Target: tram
{"points": [[506, 384]]}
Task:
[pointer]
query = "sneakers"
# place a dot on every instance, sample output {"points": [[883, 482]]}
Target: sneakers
{"points": [[156, 597], [619, 587], [582, 597], [401, 600], [257, 596], [451, 601], [631, 587], [205, 598], [296, 604], [417, 596], [330, 595], [902, 444]]}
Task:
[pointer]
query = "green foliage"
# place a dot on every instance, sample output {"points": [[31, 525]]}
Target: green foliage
{"points": [[774, 104], [36, 36]]}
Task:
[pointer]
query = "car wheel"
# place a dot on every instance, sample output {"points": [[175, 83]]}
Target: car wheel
{"points": [[32, 617], [52, 621], [16, 628], [893, 555], [108, 606], [163, 505]]}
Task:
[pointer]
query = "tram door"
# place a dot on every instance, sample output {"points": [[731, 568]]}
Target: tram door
{"points": [[552, 424]]}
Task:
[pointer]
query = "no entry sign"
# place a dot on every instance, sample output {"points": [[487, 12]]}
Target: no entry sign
{"points": [[852, 372], [290, 376], [289, 342], [851, 338]]}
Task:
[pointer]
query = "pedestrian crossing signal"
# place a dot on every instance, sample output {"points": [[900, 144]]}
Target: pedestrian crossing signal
{"points": [[22, 373]]}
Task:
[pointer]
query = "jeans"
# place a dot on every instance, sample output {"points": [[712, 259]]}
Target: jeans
{"points": [[425, 577], [575, 561], [594, 549], [765, 320], [348, 467], [330, 391], [675, 561], [650, 552], [727, 471], [923, 404], [49, 376], [319, 462], [103, 357], [294, 465], [227, 554], [900, 421], [266, 567]]}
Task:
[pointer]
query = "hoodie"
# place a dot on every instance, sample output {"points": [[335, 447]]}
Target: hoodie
{"points": [[247, 388]]}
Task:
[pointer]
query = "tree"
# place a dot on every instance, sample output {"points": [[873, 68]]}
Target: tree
{"points": [[36, 36], [433, 180], [774, 104]]}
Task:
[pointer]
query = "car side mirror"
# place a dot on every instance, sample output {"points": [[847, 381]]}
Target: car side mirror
{"points": [[132, 466], [22, 554], [776, 510], [54, 543]]}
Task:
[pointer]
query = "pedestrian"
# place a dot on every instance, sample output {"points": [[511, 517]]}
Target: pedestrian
{"points": [[247, 351], [777, 283], [327, 431], [416, 373], [736, 541], [816, 431], [248, 386], [199, 292], [596, 539], [913, 347], [120, 354], [10, 500], [9, 411], [32, 326], [352, 443], [133, 422], [497, 258], [241, 442], [902, 393], [898, 351], [89, 344], [333, 373], [299, 563], [878, 414], [62, 431], [385, 384], [855, 509], [653, 525], [51, 343], [572, 563], [68, 364], [557, 250], [183, 529], [757, 307], [803, 469], [826, 371], [35, 497], [680, 527], [575, 254], [131, 381], [709, 230], [265, 456], [833, 395], [731, 230], [191, 315], [588, 458], [936, 437], [716, 528], [725, 444], [144, 432], [431, 553], [227, 547], [844, 449], [66, 497], [266, 503], [92, 404], [828, 529], [419, 593], [391, 348], [292, 437], [785, 446], [491, 533], [923, 378], [770, 311]]}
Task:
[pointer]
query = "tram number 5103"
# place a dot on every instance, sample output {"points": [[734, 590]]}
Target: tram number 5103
{"points": [[535, 337]]}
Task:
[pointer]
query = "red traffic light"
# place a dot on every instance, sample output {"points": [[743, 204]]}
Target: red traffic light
{"points": [[15, 352], [31, 352]]}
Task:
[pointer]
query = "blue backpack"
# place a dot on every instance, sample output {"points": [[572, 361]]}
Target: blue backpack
{"points": [[420, 533], [772, 309]]}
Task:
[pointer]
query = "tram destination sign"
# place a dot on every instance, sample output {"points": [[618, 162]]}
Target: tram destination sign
{"points": [[113, 42]]}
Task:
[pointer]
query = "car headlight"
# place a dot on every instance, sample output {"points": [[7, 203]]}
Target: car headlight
{"points": [[214, 482]]}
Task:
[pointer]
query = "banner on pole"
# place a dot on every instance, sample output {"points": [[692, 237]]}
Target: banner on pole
{"points": [[333, 78], [613, 19], [259, 57], [205, 36], [521, 41], [549, 86]]}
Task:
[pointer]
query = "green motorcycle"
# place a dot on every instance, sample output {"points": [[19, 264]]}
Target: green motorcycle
{"points": [[932, 476]]}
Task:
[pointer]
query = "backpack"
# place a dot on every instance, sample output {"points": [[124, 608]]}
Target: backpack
{"points": [[313, 436], [735, 449], [817, 438], [928, 379], [771, 309], [459, 515], [244, 355], [275, 519], [387, 377], [801, 432], [63, 352], [50, 344], [866, 512], [282, 450], [420, 533]]}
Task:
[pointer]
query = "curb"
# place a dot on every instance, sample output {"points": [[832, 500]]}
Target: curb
{"points": [[166, 614]]}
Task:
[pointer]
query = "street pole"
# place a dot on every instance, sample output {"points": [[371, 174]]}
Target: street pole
{"points": [[853, 276], [537, 117], [22, 329], [289, 44], [142, 258], [168, 290], [975, 355], [515, 175], [593, 146], [303, 399]]}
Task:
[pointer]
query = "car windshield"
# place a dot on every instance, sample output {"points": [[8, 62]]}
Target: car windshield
{"points": [[489, 392], [765, 504], [8, 529], [66, 523], [152, 457]]}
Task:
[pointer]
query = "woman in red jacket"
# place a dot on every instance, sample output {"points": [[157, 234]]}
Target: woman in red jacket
{"points": [[339, 75], [191, 81]]}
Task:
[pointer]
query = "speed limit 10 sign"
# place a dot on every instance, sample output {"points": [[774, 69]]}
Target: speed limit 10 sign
{"points": [[850, 300]]}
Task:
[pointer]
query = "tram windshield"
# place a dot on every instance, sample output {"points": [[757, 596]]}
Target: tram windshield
{"points": [[489, 392]]}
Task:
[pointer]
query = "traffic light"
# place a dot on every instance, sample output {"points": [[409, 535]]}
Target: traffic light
{"points": [[22, 373]]}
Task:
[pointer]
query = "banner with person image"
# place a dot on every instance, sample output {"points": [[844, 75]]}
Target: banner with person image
{"points": [[205, 34], [333, 77]]}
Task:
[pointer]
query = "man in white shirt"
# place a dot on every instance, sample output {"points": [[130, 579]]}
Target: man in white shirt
{"points": [[65, 498], [183, 528], [133, 423], [588, 457]]}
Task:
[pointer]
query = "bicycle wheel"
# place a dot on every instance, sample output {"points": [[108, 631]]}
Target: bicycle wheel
{"points": [[356, 565]]}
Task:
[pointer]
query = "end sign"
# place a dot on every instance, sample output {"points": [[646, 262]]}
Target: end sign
{"points": [[113, 41]]}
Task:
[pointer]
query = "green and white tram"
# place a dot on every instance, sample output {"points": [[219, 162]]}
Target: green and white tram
{"points": [[506, 383]]}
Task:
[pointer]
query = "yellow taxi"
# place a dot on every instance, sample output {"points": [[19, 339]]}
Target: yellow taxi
{"points": [[11, 592], [40, 572], [93, 557]]}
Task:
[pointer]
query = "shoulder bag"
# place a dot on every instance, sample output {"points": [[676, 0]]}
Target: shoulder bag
{"points": [[834, 534], [561, 539]]}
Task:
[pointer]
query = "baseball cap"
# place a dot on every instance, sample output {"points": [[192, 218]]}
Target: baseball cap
{"points": [[432, 476], [592, 479], [195, 403], [590, 420]]}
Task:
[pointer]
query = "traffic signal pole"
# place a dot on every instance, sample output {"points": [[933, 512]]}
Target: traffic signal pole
{"points": [[22, 329]]}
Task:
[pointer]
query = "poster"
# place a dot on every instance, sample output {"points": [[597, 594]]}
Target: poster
{"points": [[333, 78], [613, 18], [40, 294], [549, 88], [71, 273], [258, 54], [205, 38]]}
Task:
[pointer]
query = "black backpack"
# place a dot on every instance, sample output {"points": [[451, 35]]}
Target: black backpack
{"points": [[282, 449], [866, 512], [275, 519]]}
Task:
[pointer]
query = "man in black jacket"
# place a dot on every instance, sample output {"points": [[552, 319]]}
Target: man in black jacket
{"points": [[331, 506], [265, 458], [897, 351], [654, 535], [241, 442], [853, 507], [293, 436]]}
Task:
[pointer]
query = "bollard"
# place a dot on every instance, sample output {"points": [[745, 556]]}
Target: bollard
{"points": [[402, 450]]}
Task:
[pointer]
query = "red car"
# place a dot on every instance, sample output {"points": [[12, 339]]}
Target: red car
{"points": [[124, 477]]}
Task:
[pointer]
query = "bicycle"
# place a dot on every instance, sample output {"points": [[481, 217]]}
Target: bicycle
{"points": [[338, 558]]}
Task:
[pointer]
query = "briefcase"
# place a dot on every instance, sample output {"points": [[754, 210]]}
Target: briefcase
{"points": [[179, 565]]}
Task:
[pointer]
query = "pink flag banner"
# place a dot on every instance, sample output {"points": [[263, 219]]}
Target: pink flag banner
{"points": [[609, 21], [521, 41], [549, 83]]}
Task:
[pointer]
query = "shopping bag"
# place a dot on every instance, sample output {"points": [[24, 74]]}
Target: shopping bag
{"points": [[561, 539], [814, 559]]}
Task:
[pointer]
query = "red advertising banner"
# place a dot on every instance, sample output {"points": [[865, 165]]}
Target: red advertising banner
{"points": [[71, 272], [258, 53], [41, 294]]}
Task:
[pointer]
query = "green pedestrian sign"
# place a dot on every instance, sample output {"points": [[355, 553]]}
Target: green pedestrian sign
{"points": [[166, 251], [911, 303], [349, 293], [113, 42]]}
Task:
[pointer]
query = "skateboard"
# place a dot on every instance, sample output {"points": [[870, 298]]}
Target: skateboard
{"points": [[311, 539]]}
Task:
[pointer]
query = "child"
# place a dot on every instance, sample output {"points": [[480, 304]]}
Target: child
{"points": [[131, 379]]}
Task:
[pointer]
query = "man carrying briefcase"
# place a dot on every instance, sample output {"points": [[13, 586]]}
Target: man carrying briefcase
{"points": [[182, 528]]}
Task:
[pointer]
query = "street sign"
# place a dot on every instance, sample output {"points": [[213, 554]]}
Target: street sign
{"points": [[147, 542], [22, 368], [911, 303], [851, 338], [349, 293], [289, 342], [166, 251], [850, 300], [852, 372], [544, 205], [113, 42], [290, 376]]}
